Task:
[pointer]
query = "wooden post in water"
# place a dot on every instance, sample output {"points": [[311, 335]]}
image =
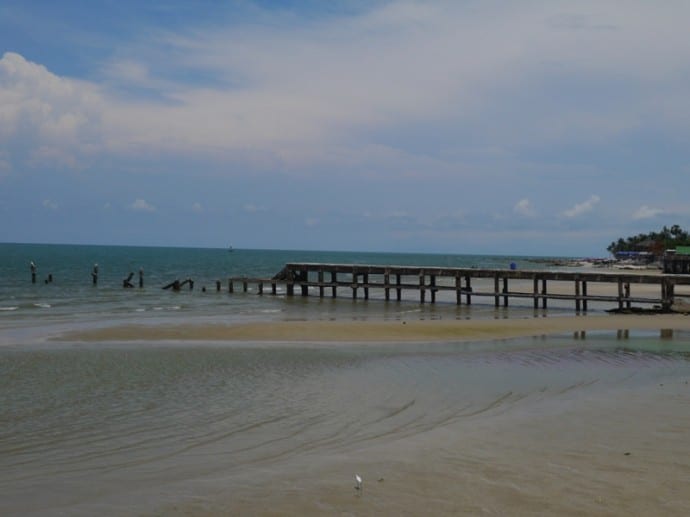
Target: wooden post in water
{"points": [[304, 278], [505, 290], [217, 286], [458, 290], [386, 283], [231, 286], [398, 293], [584, 294], [620, 294], [94, 275], [468, 290], [432, 284], [535, 291], [141, 277], [543, 293], [290, 286], [365, 279], [334, 281], [496, 297], [320, 283], [577, 295], [32, 267]]}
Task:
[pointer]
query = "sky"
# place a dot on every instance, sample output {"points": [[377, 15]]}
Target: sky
{"points": [[466, 126]]}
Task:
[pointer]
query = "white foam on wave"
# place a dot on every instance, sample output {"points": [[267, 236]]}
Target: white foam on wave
{"points": [[43, 305], [13, 308]]}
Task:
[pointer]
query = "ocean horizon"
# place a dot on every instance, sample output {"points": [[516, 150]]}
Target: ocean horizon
{"points": [[549, 424]]}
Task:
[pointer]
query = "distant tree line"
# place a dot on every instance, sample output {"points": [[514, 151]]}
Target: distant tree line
{"points": [[655, 242]]}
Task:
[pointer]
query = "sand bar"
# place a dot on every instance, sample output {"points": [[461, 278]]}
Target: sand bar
{"points": [[382, 331]]}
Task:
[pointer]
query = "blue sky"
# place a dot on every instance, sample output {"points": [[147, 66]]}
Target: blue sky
{"points": [[535, 127]]}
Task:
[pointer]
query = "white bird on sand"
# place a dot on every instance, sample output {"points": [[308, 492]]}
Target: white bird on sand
{"points": [[358, 480]]}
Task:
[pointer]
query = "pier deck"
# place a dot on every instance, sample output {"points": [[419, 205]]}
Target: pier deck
{"points": [[429, 281]]}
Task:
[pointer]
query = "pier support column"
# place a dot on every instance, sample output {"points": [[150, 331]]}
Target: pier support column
{"points": [[432, 282], [468, 290], [398, 290], [458, 290], [577, 295], [543, 293], [290, 285], [505, 290], [386, 284], [231, 286], [320, 283], [667, 293], [304, 278], [496, 297], [261, 288], [626, 289], [422, 292], [620, 294], [365, 278], [334, 281], [535, 291], [584, 295]]}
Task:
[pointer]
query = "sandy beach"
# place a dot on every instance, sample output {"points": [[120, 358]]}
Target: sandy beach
{"points": [[384, 331]]}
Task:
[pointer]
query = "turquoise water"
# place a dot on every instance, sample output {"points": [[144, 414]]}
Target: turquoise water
{"points": [[72, 299]]}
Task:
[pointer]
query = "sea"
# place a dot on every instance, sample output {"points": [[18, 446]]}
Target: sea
{"points": [[547, 425]]}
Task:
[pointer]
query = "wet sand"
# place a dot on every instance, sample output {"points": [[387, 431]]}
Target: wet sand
{"points": [[383, 331]]}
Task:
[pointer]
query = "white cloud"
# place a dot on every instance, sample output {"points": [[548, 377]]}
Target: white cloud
{"points": [[311, 221], [197, 207], [582, 208], [140, 205], [50, 204], [524, 208], [56, 117], [289, 92], [645, 212]]}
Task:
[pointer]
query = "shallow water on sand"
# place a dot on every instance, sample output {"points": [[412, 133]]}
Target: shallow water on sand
{"points": [[543, 425]]}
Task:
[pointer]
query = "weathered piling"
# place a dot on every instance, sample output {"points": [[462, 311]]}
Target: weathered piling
{"points": [[141, 278], [32, 267], [358, 278], [127, 282], [94, 274], [174, 285]]}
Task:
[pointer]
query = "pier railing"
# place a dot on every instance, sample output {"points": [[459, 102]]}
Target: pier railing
{"points": [[428, 281]]}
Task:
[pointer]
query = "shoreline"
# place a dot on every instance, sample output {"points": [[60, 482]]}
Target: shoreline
{"points": [[381, 331]]}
